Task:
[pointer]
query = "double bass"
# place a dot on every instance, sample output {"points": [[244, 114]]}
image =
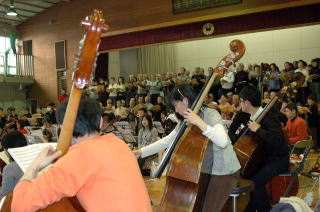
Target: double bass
{"points": [[188, 149], [248, 147], [84, 63]]}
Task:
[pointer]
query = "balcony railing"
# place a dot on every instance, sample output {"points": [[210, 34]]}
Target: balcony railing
{"points": [[16, 65]]}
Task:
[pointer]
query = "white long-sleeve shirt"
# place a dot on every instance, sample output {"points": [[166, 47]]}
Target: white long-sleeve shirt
{"points": [[229, 78], [220, 158]]}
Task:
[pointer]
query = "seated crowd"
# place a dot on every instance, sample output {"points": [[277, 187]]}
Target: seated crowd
{"points": [[136, 110]]}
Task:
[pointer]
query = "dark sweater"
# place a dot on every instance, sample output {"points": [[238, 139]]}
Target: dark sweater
{"points": [[270, 133], [313, 116], [272, 136], [240, 77], [315, 71]]}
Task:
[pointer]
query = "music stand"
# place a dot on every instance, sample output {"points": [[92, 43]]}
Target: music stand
{"points": [[33, 122], [127, 136], [123, 125], [158, 126]]}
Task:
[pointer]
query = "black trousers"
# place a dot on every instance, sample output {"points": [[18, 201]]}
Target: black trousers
{"points": [[259, 199]]}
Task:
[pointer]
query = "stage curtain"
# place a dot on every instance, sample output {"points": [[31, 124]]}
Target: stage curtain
{"points": [[102, 64], [156, 59]]}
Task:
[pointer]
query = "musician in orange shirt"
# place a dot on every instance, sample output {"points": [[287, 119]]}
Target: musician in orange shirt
{"points": [[296, 128], [100, 171]]}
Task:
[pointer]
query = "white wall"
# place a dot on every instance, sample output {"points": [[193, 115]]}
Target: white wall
{"points": [[128, 63], [276, 46]]}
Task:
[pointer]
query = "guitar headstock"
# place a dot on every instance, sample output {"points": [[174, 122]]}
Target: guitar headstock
{"points": [[94, 26]]}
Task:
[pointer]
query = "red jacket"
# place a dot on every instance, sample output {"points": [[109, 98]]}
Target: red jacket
{"points": [[296, 130]]}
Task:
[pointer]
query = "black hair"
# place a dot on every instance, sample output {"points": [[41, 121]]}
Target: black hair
{"points": [[315, 60], [180, 92], [252, 94], [120, 78], [109, 116], [51, 104], [303, 62], [290, 65], [276, 67], [88, 118], [14, 139], [143, 109], [292, 106], [149, 119]]}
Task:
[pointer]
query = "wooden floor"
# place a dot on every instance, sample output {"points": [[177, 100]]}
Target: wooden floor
{"points": [[155, 186]]}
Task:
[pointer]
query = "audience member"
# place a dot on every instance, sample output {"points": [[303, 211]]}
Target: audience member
{"points": [[51, 113], [296, 128], [63, 95], [11, 173], [96, 169]]}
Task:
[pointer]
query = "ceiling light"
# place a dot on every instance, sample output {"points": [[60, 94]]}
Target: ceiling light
{"points": [[12, 13]]}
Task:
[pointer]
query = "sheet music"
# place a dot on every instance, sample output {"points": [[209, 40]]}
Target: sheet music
{"points": [[25, 155], [38, 136], [158, 126]]}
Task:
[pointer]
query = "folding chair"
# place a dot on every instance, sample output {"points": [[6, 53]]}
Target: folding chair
{"points": [[244, 186], [304, 147]]}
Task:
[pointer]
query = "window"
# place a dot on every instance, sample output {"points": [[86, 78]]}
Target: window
{"points": [[4, 44], [11, 60], [62, 81]]}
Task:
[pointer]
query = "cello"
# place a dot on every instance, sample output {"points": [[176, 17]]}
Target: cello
{"points": [[84, 63], [188, 149]]}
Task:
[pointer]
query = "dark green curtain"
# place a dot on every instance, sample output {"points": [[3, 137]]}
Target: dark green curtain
{"points": [[13, 37]]}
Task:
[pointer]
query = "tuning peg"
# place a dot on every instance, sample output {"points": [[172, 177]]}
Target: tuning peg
{"points": [[105, 27], [77, 58], [85, 24]]}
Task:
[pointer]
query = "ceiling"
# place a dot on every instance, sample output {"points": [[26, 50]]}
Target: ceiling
{"points": [[24, 8]]}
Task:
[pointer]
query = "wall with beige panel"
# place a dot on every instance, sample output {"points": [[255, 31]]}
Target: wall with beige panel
{"points": [[276, 46], [114, 64], [11, 95]]}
